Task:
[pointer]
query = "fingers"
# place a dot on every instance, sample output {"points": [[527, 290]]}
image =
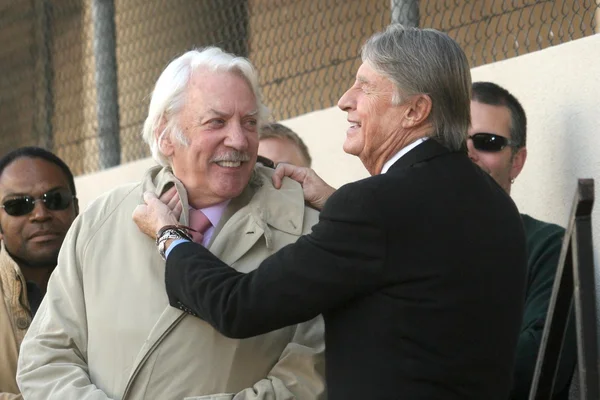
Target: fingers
{"points": [[153, 215], [149, 196], [177, 210], [168, 196], [172, 200], [155, 207], [296, 173], [141, 218], [278, 175], [139, 212]]}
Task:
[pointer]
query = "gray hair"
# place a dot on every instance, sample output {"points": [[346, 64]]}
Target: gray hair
{"points": [[168, 96], [426, 61]]}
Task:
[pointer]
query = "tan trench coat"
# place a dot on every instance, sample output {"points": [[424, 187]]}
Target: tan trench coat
{"points": [[105, 329], [15, 318]]}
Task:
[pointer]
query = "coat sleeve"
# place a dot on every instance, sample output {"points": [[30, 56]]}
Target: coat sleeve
{"points": [[300, 372], [341, 259], [10, 396], [8, 358], [53, 358]]}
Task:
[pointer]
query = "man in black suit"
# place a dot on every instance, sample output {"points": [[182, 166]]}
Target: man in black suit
{"points": [[418, 270]]}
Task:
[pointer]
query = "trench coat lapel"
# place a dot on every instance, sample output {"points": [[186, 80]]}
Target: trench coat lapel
{"points": [[255, 214]]}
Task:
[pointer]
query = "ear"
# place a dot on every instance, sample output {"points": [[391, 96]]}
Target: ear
{"points": [[164, 138], [518, 162], [418, 111]]}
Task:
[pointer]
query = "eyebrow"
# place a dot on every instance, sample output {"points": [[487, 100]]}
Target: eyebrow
{"points": [[365, 83], [218, 113], [361, 79], [224, 114]]}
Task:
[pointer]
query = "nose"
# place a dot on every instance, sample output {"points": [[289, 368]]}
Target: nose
{"points": [[346, 102], [237, 137], [39, 212]]}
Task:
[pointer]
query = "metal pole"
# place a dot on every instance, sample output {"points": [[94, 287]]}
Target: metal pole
{"points": [[43, 96], [103, 15], [405, 12]]}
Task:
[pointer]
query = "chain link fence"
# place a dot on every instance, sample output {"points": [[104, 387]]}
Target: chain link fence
{"points": [[76, 75]]}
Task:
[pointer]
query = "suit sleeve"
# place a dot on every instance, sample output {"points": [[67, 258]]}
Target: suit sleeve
{"points": [[53, 358], [543, 262], [341, 259]]}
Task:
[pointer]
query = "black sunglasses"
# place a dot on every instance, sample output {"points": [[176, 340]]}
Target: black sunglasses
{"points": [[55, 200], [490, 142]]}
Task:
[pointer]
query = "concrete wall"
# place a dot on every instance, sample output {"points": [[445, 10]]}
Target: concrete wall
{"points": [[559, 89], [92, 185]]}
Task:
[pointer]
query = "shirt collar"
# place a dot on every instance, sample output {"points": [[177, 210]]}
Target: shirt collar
{"points": [[402, 152], [214, 213]]}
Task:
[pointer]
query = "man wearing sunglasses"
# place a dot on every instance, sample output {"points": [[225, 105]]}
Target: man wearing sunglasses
{"points": [[497, 143], [37, 207]]}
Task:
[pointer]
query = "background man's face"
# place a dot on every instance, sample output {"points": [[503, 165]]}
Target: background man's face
{"points": [[281, 150], [372, 116], [502, 165], [35, 237], [219, 120]]}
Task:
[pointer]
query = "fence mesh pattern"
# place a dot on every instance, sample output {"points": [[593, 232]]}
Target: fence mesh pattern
{"points": [[76, 75]]}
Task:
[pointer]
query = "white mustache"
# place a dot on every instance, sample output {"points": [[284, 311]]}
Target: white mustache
{"points": [[236, 156]]}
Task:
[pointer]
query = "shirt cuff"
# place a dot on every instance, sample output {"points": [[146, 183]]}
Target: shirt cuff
{"points": [[173, 244]]}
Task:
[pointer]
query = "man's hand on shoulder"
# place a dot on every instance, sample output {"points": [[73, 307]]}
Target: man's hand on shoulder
{"points": [[156, 213], [316, 190]]}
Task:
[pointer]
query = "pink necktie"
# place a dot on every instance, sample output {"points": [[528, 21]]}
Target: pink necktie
{"points": [[200, 223]]}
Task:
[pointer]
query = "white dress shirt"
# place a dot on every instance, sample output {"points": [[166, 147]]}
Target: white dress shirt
{"points": [[402, 152]]}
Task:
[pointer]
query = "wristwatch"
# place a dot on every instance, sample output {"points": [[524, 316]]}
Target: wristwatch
{"points": [[170, 232]]}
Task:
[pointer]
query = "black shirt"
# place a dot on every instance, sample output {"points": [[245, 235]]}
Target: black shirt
{"points": [[35, 296]]}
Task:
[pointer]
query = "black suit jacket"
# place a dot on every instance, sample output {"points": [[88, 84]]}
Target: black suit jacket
{"points": [[419, 274]]}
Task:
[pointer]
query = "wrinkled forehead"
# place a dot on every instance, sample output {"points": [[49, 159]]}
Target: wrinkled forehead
{"points": [[220, 89], [368, 74]]}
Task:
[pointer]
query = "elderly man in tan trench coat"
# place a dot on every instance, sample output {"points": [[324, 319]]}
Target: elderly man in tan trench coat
{"points": [[106, 330]]}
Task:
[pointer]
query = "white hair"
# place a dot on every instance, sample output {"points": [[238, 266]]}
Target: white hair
{"points": [[168, 96]]}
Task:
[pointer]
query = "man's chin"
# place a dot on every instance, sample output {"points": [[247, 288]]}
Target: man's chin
{"points": [[351, 148], [42, 263], [230, 189], [43, 257], [231, 192]]}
